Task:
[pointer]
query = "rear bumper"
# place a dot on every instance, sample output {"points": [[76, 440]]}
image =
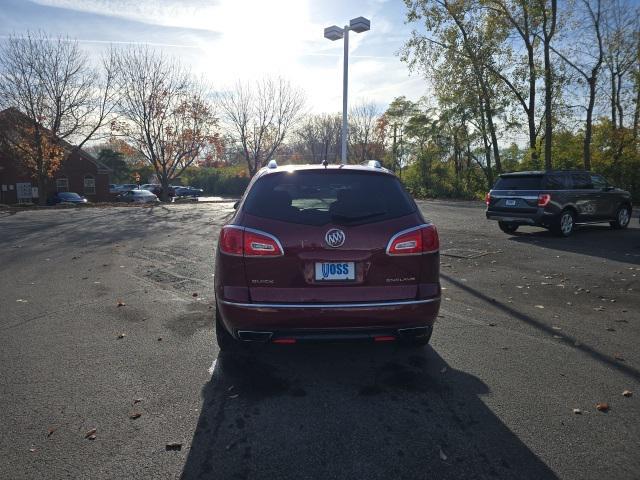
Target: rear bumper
{"points": [[541, 217], [328, 319]]}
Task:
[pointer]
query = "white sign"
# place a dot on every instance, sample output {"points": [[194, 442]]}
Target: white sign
{"points": [[23, 191], [34, 192]]}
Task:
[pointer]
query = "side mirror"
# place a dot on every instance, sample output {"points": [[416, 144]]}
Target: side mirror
{"points": [[235, 205]]}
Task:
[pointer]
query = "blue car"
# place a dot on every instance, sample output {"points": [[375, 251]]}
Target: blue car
{"points": [[66, 197]]}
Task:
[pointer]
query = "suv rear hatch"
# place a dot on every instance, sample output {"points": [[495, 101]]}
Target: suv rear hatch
{"points": [[515, 194], [334, 227]]}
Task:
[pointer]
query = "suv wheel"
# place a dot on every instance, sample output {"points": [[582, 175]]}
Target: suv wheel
{"points": [[507, 227], [566, 223], [623, 216]]}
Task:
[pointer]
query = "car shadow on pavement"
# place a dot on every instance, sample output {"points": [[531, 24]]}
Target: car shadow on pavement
{"points": [[531, 321], [351, 411], [592, 240]]}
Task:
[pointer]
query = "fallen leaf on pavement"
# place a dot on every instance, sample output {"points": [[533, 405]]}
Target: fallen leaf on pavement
{"points": [[137, 400], [51, 431], [159, 339], [443, 456], [577, 411], [627, 393], [122, 335], [602, 406], [173, 446], [135, 415], [32, 450], [619, 357], [539, 306], [556, 328], [610, 329], [491, 324], [21, 300], [194, 294], [234, 396], [90, 433], [121, 303]]}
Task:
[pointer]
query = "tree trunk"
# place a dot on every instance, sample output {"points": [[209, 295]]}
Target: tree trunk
{"points": [[494, 137], [636, 114], [531, 113], [548, 114], [42, 188], [586, 148]]}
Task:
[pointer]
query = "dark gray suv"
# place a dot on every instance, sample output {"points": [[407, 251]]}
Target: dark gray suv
{"points": [[556, 200]]}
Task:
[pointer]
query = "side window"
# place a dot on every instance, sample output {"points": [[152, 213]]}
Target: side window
{"points": [[582, 181], [62, 184], [89, 185], [556, 181], [598, 182]]}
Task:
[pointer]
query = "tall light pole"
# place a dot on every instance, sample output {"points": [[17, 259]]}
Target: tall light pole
{"points": [[358, 25]]}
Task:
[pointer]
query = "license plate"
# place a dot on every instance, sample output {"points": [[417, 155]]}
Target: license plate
{"points": [[511, 203], [335, 271]]}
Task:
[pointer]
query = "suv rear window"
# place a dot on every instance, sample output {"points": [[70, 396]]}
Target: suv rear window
{"points": [[320, 197], [522, 182]]}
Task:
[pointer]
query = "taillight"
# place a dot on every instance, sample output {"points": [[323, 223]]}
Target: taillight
{"points": [[231, 240], [544, 199], [261, 244], [487, 198], [249, 243], [423, 239]]}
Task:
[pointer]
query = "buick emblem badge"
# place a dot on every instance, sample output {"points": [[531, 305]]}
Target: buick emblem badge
{"points": [[335, 238]]}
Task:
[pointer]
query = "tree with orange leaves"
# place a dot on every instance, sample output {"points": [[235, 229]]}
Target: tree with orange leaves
{"points": [[52, 96], [165, 113]]}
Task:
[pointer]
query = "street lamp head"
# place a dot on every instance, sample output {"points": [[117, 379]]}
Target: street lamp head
{"points": [[333, 33], [359, 24]]}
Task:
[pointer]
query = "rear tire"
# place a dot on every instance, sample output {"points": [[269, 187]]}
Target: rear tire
{"points": [[507, 227], [623, 217], [565, 224]]}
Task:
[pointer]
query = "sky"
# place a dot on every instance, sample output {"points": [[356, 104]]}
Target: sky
{"points": [[231, 40]]}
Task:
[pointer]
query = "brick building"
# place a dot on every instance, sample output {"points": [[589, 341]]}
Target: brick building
{"points": [[80, 172]]}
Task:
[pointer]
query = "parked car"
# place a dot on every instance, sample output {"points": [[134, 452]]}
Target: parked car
{"points": [[125, 187], [557, 200], [156, 189], [335, 253], [66, 197], [137, 196], [114, 188], [188, 192]]}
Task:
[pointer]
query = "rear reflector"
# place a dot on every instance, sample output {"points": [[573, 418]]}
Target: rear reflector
{"points": [[247, 242], [487, 199], [287, 341], [414, 241], [384, 338]]}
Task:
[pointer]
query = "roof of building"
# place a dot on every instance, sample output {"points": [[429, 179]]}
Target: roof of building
{"points": [[13, 114]]}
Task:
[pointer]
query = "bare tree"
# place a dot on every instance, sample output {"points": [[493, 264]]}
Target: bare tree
{"points": [[363, 118], [54, 96], [318, 136], [549, 11], [164, 112], [588, 45], [260, 115]]}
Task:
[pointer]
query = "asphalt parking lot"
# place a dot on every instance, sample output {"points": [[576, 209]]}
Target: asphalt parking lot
{"points": [[110, 367]]}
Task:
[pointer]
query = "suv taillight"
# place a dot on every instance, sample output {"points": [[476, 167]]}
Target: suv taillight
{"points": [[487, 198], [246, 242], [423, 239], [544, 199]]}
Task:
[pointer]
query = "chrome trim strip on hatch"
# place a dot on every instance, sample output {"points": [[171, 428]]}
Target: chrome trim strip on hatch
{"points": [[331, 305]]}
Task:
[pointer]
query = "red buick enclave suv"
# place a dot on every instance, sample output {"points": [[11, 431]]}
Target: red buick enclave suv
{"points": [[326, 253]]}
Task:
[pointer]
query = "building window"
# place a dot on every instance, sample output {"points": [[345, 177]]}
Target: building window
{"points": [[89, 185], [62, 184]]}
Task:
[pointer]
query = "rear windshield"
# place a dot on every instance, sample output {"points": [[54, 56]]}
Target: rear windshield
{"points": [[322, 197], [524, 182]]}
